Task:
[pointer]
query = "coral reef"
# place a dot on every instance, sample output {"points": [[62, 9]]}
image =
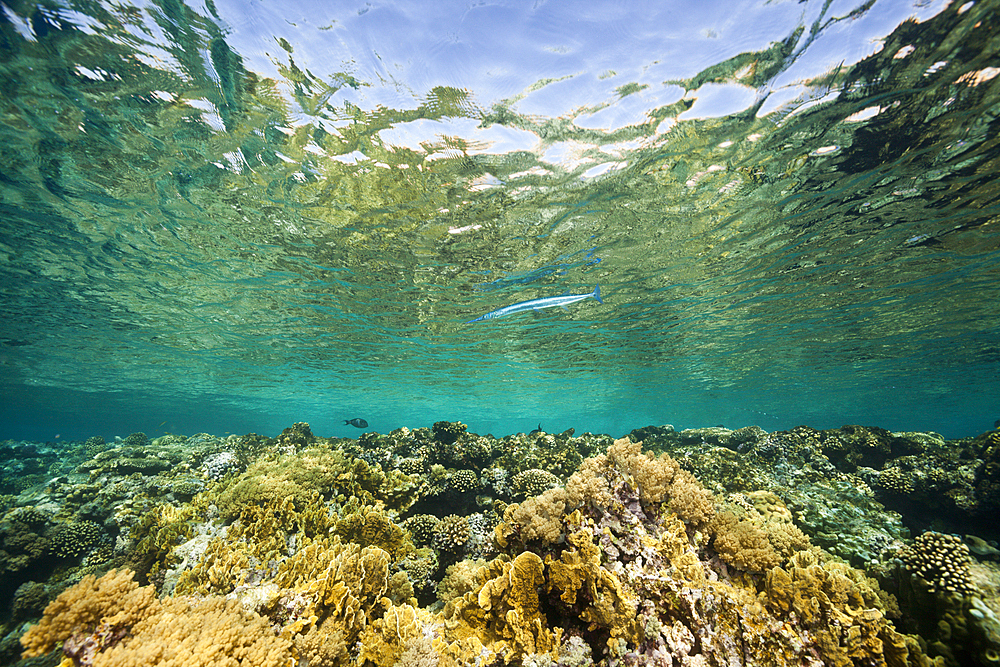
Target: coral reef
{"points": [[443, 547]]}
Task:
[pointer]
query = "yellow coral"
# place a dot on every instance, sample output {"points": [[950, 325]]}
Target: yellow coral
{"points": [[654, 479], [674, 545], [505, 610], [383, 641], [371, 526], [459, 579], [840, 606], [114, 599], [537, 518], [319, 648], [743, 543], [329, 472], [126, 626], [577, 569], [755, 544], [650, 477], [212, 632]]}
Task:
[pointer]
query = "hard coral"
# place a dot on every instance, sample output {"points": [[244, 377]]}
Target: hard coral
{"points": [[82, 607], [187, 632], [505, 612], [369, 526], [533, 482], [942, 561], [452, 533], [75, 539], [588, 588], [463, 481], [448, 432], [840, 607]]}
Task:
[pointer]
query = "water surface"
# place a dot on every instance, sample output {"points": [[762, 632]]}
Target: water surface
{"points": [[231, 216]]}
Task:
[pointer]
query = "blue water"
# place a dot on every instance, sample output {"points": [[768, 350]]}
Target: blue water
{"points": [[228, 217]]}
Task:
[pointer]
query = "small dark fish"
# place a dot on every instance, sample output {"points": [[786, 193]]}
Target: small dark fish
{"points": [[537, 430], [996, 424], [357, 421]]}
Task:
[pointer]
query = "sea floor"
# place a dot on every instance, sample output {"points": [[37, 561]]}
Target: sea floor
{"points": [[437, 546]]}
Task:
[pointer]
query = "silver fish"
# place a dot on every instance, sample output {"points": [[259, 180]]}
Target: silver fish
{"points": [[538, 304]]}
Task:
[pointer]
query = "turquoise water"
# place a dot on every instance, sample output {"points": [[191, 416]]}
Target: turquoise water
{"points": [[228, 217]]}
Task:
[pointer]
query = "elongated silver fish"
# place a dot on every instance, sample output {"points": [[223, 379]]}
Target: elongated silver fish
{"points": [[538, 304]]}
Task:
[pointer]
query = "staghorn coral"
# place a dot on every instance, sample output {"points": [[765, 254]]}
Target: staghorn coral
{"points": [[420, 567], [29, 600], [448, 432], [136, 439], [21, 545]]}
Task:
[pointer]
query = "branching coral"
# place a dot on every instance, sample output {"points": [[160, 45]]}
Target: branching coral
{"points": [[626, 564], [942, 561]]}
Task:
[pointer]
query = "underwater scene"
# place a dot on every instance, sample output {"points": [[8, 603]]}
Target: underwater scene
{"points": [[480, 333]]}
